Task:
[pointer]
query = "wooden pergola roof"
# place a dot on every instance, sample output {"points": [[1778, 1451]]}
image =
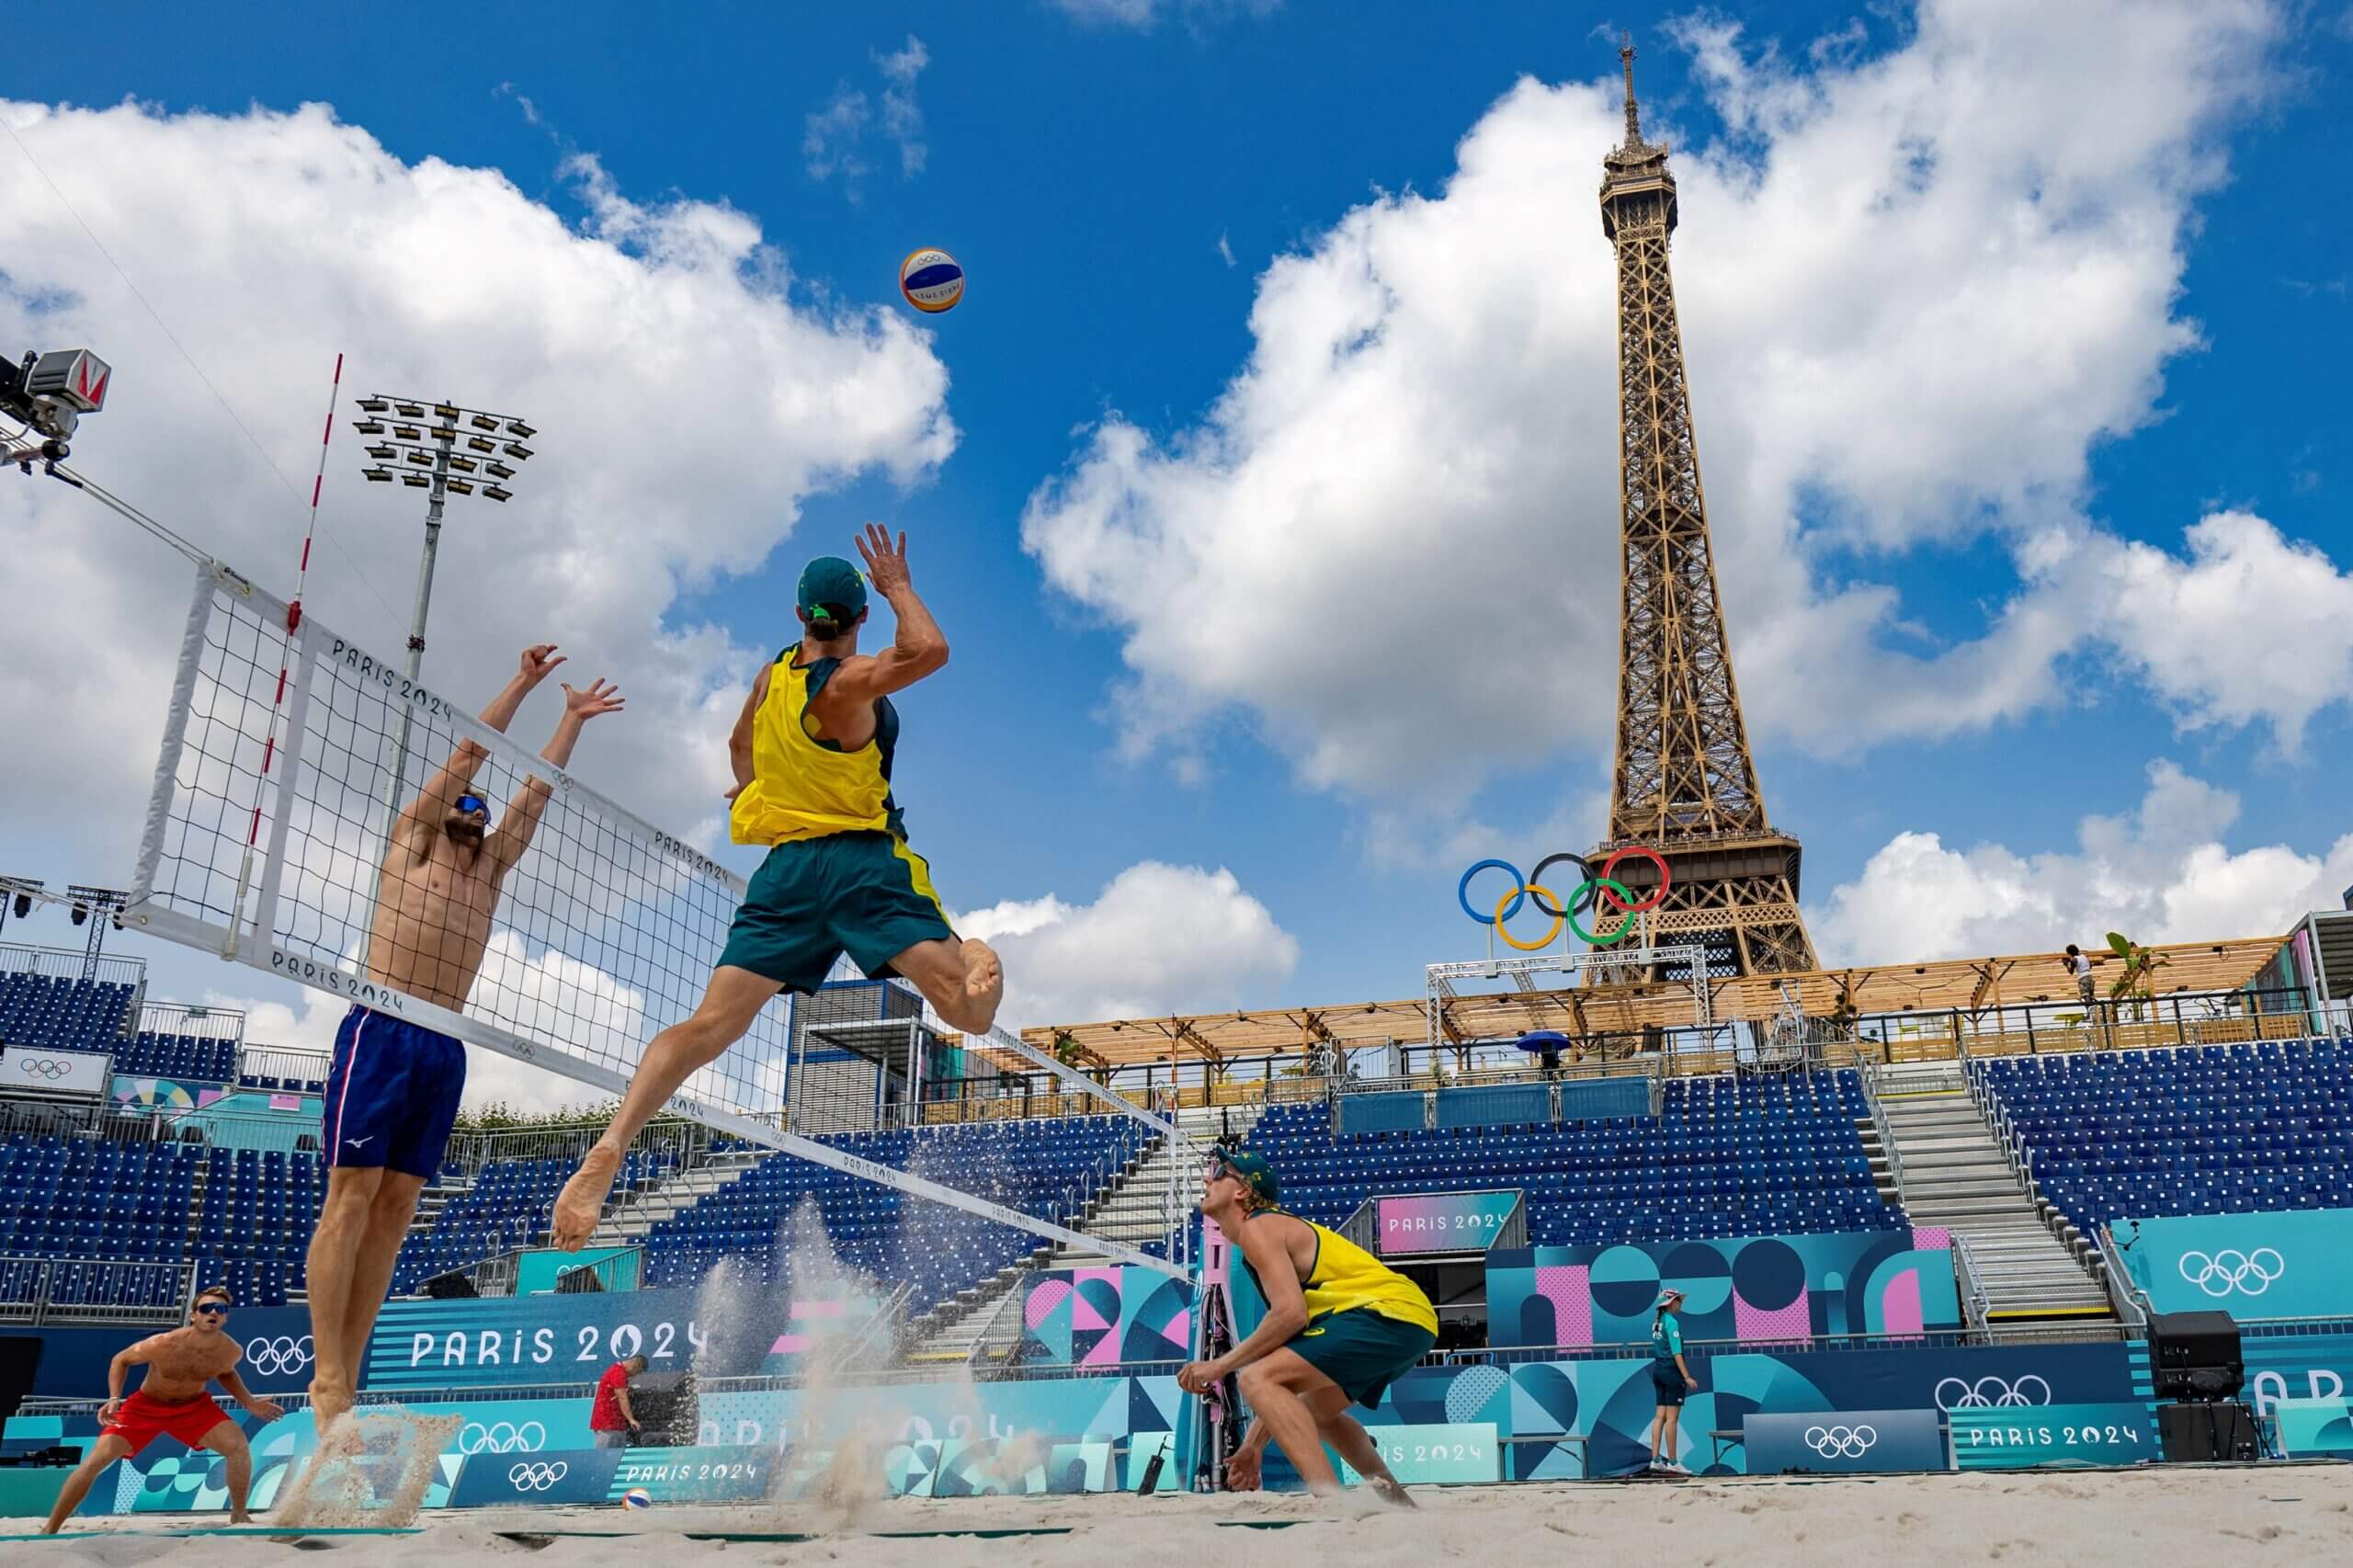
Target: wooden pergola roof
{"points": [[1965, 985]]}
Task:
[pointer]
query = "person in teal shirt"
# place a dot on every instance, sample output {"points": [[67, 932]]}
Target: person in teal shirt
{"points": [[1670, 1376]]}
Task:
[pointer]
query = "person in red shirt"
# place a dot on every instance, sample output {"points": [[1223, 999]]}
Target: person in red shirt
{"points": [[610, 1418]]}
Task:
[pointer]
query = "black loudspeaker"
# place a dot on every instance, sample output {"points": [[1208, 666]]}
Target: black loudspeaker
{"points": [[668, 1415], [20, 1359], [450, 1287], [2195, 1355], [2206, 1431]]}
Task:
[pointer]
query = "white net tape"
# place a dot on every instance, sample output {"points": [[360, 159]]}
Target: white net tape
{"points": [[269, 821]]}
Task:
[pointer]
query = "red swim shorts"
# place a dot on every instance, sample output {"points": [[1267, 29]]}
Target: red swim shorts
{"points": [[142, 1420]]}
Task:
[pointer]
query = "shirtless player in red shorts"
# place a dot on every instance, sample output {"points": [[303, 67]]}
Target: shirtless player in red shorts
{"points": [[174, 1401]]}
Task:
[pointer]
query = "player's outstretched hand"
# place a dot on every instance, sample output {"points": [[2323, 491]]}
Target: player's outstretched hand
{"points": [[602, 697], [538, 660], [268, 1409], [886, 567], [109, 1411]]}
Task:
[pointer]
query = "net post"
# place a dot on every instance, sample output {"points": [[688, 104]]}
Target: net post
{"points": [[168, 761], [290, 777]]}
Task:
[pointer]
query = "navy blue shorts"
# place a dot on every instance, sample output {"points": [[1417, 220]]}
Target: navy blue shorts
{"points": [[1667, 1381], [392, 1094]]}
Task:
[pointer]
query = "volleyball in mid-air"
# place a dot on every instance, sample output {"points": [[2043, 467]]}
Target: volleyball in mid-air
{"points": [[931, 280], [637, 1497]]}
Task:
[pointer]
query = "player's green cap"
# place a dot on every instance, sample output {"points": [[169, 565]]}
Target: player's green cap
{"points": [[1250, 1169], [830, 580]]}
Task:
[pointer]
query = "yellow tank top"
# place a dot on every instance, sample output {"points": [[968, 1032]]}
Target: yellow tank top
{"points": [[1346, 1276], [805, 788]]}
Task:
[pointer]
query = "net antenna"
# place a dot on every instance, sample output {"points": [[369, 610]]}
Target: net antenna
{"points": [[266, 829]]}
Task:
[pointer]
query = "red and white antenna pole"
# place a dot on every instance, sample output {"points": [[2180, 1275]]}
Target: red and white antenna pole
{"points": [[286, 646]]}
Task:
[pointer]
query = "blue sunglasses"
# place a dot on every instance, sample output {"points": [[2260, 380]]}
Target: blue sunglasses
{"points": [[212, 1308], [472, 803]]}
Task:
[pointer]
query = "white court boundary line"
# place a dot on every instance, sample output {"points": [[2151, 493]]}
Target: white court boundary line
{"points": [[252, 943]]}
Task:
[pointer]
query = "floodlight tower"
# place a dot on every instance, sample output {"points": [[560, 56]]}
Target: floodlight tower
{"points": [[434, 446]]}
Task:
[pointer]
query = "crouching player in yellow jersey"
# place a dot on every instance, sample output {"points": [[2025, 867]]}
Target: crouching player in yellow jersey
{"points": [[1340, 1326], [812, 753]]}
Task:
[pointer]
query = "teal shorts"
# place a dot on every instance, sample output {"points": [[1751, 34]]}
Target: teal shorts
{"points": [[1362, 1351], [866, 894]]}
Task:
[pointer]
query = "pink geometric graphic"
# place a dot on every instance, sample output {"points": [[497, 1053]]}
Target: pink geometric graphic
{"points": [[1931, 1238], [1792, 1321], [816, 1309], [1044, 1297], [1899, 1304], [1083, 1314], [785, 1343], [1105, 1352], [1568, 1286]]}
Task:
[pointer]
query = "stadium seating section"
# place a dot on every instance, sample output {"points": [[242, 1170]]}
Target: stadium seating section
{"points": [[1728, 1157], [184, 1058], [91, 1199], [1027, 1165], [509, 1204], [2203, 1130], [67, 1015]]}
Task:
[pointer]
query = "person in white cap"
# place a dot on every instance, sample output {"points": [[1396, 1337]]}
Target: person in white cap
{"points": [[1670, 1376]]}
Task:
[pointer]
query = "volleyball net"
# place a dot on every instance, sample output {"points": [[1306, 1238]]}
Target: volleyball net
{"points": [[291, 754]]}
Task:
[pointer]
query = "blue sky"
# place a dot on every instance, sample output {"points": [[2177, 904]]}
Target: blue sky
{"points": [[1119, 180]]}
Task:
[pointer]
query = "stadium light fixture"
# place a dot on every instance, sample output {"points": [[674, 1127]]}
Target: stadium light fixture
{"points": [[383, 449], [432, 462], [516, 427], [368, 427], [517, 450], [103, 902], [497, 469], [23, 889]]}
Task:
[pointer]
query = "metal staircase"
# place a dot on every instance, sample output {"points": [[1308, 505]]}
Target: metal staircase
{"points": [[1952, 1171]]}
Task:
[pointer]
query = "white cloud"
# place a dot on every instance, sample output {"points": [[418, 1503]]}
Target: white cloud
{"points": [[1142, 14], [833, 138], [2162, 874], [902, 116], [2250, 626], [1224, 249], [1157, 940], [1915, 289], [830, 136]]}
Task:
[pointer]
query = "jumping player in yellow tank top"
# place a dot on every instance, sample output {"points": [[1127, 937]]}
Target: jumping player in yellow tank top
{"points": [[1340, 1326], [812, 753]]}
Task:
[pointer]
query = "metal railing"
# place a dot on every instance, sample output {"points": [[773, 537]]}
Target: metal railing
{"points": [[281, 1062], [1867, 1074], [2132, 1303], [1976, 1305], [70, 964], [93, 1290], [180, 1018]]}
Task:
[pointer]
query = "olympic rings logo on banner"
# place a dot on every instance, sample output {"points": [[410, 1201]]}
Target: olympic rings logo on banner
{"points": [[537, 1477], [1841, 1442], [47, 1067], [285, 1354], [502, 1437], [1990, 1393], [2229, 1269], [1593, 888]]}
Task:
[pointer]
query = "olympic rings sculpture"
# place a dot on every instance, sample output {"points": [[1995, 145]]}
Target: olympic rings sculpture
{"points": [[1596, 886]]}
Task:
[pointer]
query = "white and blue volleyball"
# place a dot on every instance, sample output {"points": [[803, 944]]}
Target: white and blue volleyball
{"points": [[931, 280], [637, 1497]]}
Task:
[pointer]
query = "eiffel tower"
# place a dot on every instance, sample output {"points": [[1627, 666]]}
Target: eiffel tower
{"points": [[1685, 783]]}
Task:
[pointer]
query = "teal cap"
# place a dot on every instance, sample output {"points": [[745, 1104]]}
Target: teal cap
{"points": [[830, 580], [1252, 1170]]}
